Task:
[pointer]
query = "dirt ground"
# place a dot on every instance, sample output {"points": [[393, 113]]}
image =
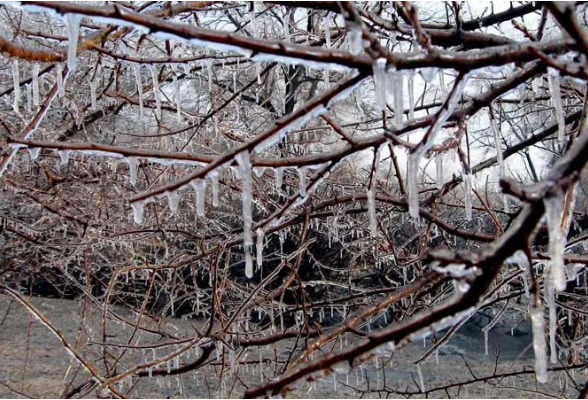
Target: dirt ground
{"points": [[34, 363]]}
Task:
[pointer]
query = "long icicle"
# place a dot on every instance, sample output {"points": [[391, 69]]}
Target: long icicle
{"points": [[555, 89], [420, 150], [156, 90], [553, 211], [379, 68], [467, 180], [59, 78], [16, 82], [35, 72], [244, 162], [398, 84], [371, 194], [539, 343], [410, 96], [139, 83], [260, 234], [73, 29], [550, 300]]}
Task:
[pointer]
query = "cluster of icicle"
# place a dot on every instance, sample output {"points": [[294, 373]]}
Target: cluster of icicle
{"points": [[416, 155]]}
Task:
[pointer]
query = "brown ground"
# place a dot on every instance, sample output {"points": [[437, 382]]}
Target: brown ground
{"points": [[34, 363]]}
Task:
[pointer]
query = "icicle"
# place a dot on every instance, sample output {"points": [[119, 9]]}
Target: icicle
{"points": [[29, 98], [177, 92], [286, 23], [258, 73], [138, 208], [553, 213], [327, 25], [199, 186], [442, 83], [371, 201], [535, 86], [371, 194], [260, 234], [209, 72], [59, 78], [73, 29], [415, 156], [133, 165], [64, 155], [413, 194], [411, 96], [247, 197], [486, 333], [421, 379], [279, 177], [550, 300], [253, 22], [428, 74], [439, 169], [497, 145], [139, 83], [355, 39], [93, 95], [379, 68], [539, 344], [34, 153], [35, 84], [467, 180], [326, 78], [16, 82], [156, 90], [398, 85], [555, 89], [173, 200], [215, 190], [302, 174]]}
